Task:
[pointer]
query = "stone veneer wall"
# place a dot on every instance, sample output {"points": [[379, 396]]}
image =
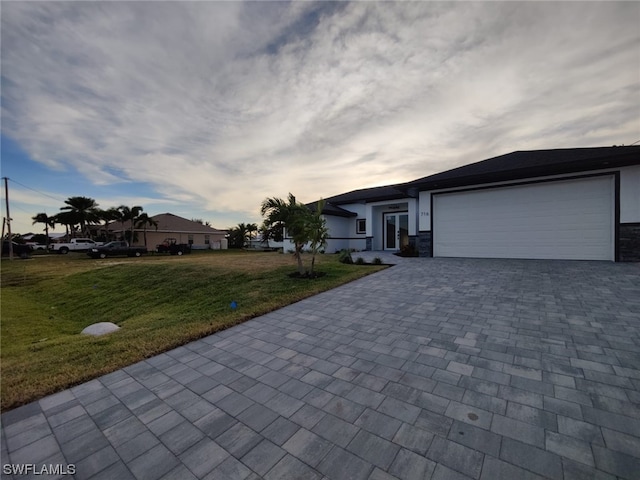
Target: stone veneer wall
{"points": [[629, 243], [369, 244], [424, 244]]}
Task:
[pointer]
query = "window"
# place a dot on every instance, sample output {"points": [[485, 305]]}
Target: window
{"points": [[206, 240], [190, 239], [361, 225]]}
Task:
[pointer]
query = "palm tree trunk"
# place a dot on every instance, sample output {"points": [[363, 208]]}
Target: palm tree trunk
{"points": [[299, 258]]}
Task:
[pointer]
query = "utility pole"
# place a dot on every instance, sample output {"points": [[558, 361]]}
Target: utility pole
{"points": [[6, 190]]}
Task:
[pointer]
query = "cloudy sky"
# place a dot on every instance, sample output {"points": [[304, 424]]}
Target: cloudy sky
{"points": [[203, 109]]}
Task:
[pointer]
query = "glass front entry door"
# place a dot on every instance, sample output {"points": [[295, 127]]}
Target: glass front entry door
{"points": [[396, 230]]}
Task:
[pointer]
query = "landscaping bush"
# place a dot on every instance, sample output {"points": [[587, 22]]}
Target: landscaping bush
{"points": [[360, 261], [345, 257]]}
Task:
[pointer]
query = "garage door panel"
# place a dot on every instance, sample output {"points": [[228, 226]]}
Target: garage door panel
{"points": [[562, 219]]}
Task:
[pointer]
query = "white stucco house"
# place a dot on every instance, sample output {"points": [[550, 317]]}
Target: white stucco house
{"points": [[578, 203]]}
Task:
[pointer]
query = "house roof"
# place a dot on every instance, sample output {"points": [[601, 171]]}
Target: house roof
{"points": [[525, 164], [168, 222], [374, 194], [331, 209]]}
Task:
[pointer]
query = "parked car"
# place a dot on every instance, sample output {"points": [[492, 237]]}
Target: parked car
{"points": [[19, 249], [171, 245], [37, 246], [113, 249], [74, 245]]}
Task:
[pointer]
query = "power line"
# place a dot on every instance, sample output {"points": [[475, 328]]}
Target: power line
{"points": [[37, 191], [634, 142]]}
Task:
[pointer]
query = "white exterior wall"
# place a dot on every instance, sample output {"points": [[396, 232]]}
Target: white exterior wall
{"points": [[629, 193], [375, 211], [424, 212]]}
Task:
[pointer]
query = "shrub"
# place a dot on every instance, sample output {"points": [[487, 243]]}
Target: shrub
{"points": [[377, 261], [345, 257], [360, 261]]}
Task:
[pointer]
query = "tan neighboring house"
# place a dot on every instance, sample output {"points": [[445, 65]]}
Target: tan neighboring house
{"points": [[199, 236]]}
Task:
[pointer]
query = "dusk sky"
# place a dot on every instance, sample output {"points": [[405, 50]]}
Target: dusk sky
{"points": [[203, 109]]}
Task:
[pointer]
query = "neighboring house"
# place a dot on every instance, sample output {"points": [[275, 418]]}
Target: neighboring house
{"points": [[579, 203], [199, 236]]}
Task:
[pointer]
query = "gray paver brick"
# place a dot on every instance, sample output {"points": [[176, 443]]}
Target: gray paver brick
{"points": [[336, 430], [96, 462], [378, 423], [494, 469], [469, 414], [445, 473], [455, 456], [181, 436], [413, 438], [373, 449], [616, 463], [238, 440], [292, 468], [280, 430], [409, 466], [524, 432], [154, 463], [342, 464], [263, 457], [475, 438], [569, 447], [203, 457], [137, 446], [536, 460], [308, 447], [621, 442], [580, 430], [398, 409]]}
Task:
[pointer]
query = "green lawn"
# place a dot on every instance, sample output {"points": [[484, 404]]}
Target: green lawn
{"points": [[159, 301]]}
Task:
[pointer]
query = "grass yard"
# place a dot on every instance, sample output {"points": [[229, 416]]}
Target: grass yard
{"points": [[160, 302]]}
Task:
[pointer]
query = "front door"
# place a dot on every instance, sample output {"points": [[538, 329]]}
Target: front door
{"points": [[396, 230]]}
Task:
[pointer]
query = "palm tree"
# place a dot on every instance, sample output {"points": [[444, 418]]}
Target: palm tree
{"points": [[107, 216], [48, 222], [85, 209], [317, 231], [292, 216], [129, 214], [143, 221], [69, 220], [251, 229]]}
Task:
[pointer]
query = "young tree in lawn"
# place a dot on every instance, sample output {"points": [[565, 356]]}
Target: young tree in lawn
{"points": [[143, 221], [317, 232], [85, 210], [49, 222], [292, 216]]}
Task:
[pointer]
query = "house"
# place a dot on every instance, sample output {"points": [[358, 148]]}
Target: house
{"points": [[199, 236], [578, 203]]}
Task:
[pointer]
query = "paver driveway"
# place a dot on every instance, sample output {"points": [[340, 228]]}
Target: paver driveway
{"points": [[435, 368]]}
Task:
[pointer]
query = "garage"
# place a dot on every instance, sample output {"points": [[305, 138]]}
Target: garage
{"points": [[561, 219]]}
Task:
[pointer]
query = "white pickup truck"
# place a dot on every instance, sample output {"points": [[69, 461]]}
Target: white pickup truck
{"points": [[74, 245]]}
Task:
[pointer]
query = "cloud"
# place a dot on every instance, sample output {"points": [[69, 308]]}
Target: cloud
{"points": [[219, 104]]}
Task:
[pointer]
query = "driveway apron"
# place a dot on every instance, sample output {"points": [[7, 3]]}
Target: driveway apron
{"points": [[431, 369]]}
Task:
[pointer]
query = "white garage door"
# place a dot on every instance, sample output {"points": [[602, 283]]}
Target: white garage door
{"points": [[561, 220]]}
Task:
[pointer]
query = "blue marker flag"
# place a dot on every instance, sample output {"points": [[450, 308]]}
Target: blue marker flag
{"points": [[234, 305]]}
